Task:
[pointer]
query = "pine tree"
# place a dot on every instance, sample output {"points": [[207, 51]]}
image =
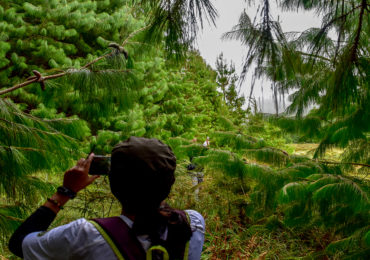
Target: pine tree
{"points": [[149, 95], [133, 89], [227, 80], [177, 23], [40, 124], [333, 73]]}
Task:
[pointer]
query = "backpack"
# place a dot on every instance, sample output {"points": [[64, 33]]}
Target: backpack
{"points": [[124, 243]]}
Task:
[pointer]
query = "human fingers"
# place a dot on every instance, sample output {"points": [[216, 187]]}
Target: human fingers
{"points": [[80, 162], [88, 161], [73, 169], [93, 178]]}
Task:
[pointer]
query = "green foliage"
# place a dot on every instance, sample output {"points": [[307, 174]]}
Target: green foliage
{"points": [[226, 79], [307, 128], [351, 128], [253, 180], [236, 141], [307, 193], [268, 155], [118, 96], [47, 35], [314, 68], [177, 23], [43, 130], [29, 144], [353, 247], [10, 217], [330, 201]]}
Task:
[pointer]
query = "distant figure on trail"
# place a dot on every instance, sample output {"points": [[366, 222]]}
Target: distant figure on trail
{"points": [[196, 175], [141, 176], [206, 142], [194, 140]]}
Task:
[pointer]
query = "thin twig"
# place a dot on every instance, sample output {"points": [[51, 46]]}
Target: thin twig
{"points": [[96, 60], [133, 34], [110, 71], [313, 55], [23, 148], [141, 43], [350, 163]]}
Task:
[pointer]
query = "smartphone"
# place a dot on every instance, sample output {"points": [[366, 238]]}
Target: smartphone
{"points": [[100, 165]]}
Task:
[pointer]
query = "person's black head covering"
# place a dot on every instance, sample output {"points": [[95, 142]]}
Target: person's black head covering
{"points": [[142, 173]]}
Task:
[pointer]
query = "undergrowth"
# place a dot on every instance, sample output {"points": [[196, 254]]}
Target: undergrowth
{"points": [[224, 202], [230, 233]]}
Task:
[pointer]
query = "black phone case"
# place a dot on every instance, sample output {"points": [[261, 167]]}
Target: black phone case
{"points": [[100, 165]]}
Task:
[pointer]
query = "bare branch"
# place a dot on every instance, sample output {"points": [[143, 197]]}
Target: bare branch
{"points": [[39, 78], [30, 81]]}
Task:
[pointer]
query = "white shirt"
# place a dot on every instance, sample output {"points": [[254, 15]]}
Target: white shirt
{"points": [[81, 240]]}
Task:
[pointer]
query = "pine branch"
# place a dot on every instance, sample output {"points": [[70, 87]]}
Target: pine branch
{"points": [[32, 80], [342, 17], [39, 78], [23, 148], [134, 33], [313, 55], [50, 132], [11, 218], [348, 163], [339, 34], [358, 32], [110, 71], [280, 150], [96, 60]]}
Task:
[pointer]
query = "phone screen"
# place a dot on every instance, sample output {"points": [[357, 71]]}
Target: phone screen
{"points": [[100, 165]]}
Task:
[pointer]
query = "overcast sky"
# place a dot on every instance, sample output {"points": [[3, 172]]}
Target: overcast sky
{"points": [[210, 44]]}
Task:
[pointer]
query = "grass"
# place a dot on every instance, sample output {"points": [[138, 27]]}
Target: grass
{"points": [[308, 149], [230, 234], [334, 154]]}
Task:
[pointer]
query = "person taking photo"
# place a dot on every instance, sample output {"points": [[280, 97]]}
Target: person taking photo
{"points": [[141, 177]]}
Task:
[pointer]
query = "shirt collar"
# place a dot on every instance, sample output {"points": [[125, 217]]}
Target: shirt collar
{"points": [[128, 221]]}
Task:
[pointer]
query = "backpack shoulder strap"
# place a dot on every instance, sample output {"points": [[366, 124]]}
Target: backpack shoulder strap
{"points": [[120, 237], [186, 251], [108, 240]]}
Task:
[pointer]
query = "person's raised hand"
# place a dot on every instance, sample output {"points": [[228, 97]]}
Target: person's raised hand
{"points": [[77, 178]]}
